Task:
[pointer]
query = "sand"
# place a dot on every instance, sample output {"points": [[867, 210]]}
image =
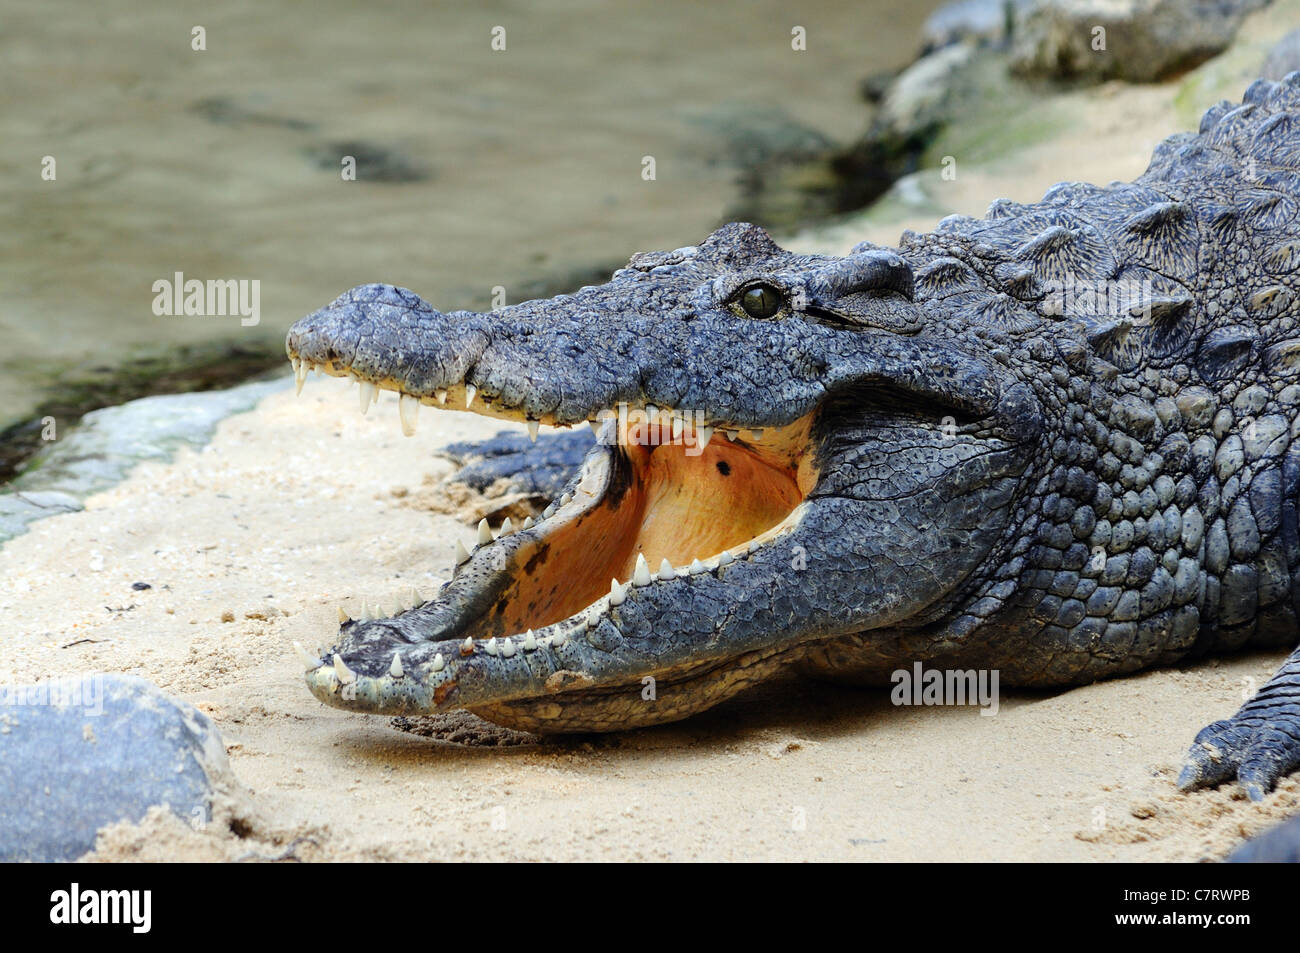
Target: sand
{"points": [[303, 505]]}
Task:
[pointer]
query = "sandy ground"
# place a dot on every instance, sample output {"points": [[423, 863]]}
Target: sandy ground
{"points": [[303, 505]]}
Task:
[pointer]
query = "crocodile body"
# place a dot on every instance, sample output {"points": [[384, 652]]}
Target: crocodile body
{"points": [[1057, 442]]}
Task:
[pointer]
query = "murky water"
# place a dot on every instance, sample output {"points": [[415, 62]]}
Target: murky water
{"points": [[475, 167]]}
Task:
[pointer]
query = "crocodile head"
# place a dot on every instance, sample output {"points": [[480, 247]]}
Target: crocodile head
{"points": [[790, 452]]}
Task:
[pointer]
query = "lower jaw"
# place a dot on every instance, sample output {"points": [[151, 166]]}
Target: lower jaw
{"points": [[676, 695]]}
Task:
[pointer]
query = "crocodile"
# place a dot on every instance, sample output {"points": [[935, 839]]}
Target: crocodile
{"points": [[1056, 442]]}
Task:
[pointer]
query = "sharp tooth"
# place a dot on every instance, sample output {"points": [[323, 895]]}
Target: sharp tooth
{"points": [[484, 532], [726, 559], [365, 612], [616, 593], [491, 647], [467, 647], [703, 435], [755, 545], [666, 570], [593, 617], [345, 674], [506, 528], [439, 663], [462, 554], [416, 598], [566, 499], [528, 522], [696, 567], [641, 575], [533, 427], [508, 648], [344, 619], [408, 411], [549, 511], [367, 396], [733, 434], [558, 639], [470, 391], [441, 394], [299, 375], [595, 426], [756, 434], [395, 669], [310, 662], [530, 641]]}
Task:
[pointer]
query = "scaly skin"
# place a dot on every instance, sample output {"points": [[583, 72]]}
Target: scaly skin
{"points": [[1056, 442]]}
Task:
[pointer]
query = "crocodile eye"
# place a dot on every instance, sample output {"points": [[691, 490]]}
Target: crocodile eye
{"points": [[761, 301]]}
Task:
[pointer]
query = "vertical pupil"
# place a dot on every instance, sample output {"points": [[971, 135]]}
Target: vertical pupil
{"points": [[760, 302]]}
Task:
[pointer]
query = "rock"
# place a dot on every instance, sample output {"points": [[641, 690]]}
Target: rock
{"points": [[1283, 58], [920, 97], [108, 443], [80, 753], [1137, 40], [1277, 845], [979, 21]]}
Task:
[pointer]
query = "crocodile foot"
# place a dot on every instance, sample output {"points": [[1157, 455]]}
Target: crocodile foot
{"points": [[1258, 745], [538, 469]]}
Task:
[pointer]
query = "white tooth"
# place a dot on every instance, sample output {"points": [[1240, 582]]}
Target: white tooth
{"points": [[408, 410], [666, 570], [566, 499], [726, 559], [491, 647], [593, 617], [484, 532], [733, 434], [558, 640], [367, 396], [530, 641], [508, 648], [416, 598], [462, 554], [310, 662], [550, 509], [528, 522], [533, 427], [441, 394], [703, 435], [696, 567], [616, 593], [595, 426], [344, 619], [467, 647], [506, 528], [755, 545], [470, 391], [641, 575], [395, 669], [365, 612], [756, 434], [345, 674], [299, 375], [439, 663]]}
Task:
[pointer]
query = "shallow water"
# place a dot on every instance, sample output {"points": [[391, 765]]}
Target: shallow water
{"points": [[475, 168]]}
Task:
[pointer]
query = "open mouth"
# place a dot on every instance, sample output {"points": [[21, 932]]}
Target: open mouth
{"points": [[663, 496]]}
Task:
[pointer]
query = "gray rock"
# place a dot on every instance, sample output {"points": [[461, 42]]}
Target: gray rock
{"points": [[108, 443], [1143, 40], [979, 21], [80, 753], [921, 97], [1283, 58], [1277, 845]]}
